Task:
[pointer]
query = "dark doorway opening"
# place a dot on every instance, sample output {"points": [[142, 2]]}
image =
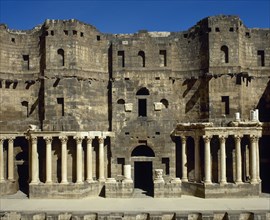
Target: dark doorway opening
{"points": [[143, 176], [22, 163]]}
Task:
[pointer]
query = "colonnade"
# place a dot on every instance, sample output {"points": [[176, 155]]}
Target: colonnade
{"points": [[254, 159], [10, 159], [64, 165]]}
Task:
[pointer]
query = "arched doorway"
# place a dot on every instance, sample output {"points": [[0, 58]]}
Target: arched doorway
{"points": [[143, 156]]}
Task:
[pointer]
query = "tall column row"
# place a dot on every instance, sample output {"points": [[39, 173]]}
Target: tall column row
{"points": [[254, 163], [64, 165], [10, 159]]}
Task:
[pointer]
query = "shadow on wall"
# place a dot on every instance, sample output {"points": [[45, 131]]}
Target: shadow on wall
{"points": [[202, 94], [264, 105]]}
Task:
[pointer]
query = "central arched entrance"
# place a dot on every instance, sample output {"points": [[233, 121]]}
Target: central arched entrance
{"points": [[143, 157]]}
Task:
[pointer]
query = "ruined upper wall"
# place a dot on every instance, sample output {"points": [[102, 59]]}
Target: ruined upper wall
{"points": [[70, 44]]}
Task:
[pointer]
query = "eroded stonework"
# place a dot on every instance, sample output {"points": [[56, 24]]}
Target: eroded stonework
{"points": [[88, 114]]}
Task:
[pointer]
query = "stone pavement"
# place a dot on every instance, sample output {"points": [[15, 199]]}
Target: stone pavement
{"points": [[20, 203]]}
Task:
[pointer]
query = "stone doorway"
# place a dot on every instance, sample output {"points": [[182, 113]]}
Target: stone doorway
{"points": [[143, 177]]}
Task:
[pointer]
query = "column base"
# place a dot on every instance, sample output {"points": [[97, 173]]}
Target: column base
{"points": [[223, 183], [48, 182], [90, 180], [254, 181], [34, 182], [79, 182], [207, 182], [64, 182], [101, 180], [238, 182], [184, 179], [127, 181]]}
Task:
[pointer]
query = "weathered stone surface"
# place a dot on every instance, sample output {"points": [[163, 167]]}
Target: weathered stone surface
{"points": [[135, 96]]}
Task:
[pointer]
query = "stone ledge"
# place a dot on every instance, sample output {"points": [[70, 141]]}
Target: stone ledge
{"points": [[229, 190], [64, 191]]}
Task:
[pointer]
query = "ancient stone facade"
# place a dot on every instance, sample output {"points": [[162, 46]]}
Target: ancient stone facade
{"points": [[170, 113]]}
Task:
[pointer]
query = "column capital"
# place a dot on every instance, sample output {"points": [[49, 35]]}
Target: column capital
{"points": [[207, 138], [253, 138], [2, 139], [222, 138], [183, 138], [78, 139], [89, 139], [63, 139], [48, 140], [34, 138], [11, 139], [237, 137], [101, 140]]}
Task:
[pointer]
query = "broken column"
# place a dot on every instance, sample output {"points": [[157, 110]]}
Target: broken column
{"points": [[127, 173]]}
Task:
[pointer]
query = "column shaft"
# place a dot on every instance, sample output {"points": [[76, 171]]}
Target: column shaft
{"points": [[258, 160], [238, 159], [11, 159], [34, 165], [48, 159], [223, 178], [207, 160], [79, 159], [197, 159], [253, 160], [89, 174], [101, 159], [184, 159], [2, 176], [64, 160]]}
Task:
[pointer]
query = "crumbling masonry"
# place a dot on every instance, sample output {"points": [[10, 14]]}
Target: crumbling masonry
{"points": [[86, 114]]}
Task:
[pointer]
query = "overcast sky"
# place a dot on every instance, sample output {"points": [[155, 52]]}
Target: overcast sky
{"points": [[130, 16]]}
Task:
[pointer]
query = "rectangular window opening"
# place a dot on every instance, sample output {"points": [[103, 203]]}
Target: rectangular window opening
{"points": [[121, 58], [261, 61], [163, 58], [13, 40], [60, 101], [226, 101], [121, 161], [98, 38], [52, 33], [66, 32], [142, 107], [217, 29], [81, 34], [26, 63], [231, 29], [75, 32], [166, 162]]}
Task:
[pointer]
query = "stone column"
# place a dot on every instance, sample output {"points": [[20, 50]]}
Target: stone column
{"points": [[207, 160], [258, 159], [48, 141], [101, 160], [64, 160], [79, 159], [223, 178], [253, 140], [2, 176], [197, 166], [127, 173], [34, 165], [237, 140], [11, 158], [184, 159], [89, 174]]}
